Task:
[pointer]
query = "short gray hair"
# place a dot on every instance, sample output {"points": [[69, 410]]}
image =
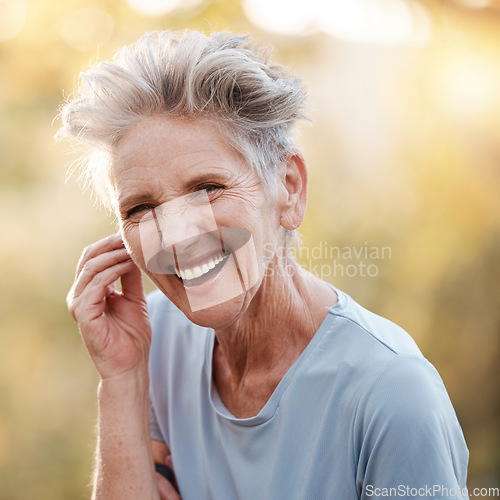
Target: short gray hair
{"points": [[189, 74]]}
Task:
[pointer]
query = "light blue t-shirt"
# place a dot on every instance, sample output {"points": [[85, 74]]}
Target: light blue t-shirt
{"points": [[361, 414]]}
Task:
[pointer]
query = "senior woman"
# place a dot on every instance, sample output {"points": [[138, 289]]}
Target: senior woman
{"points": [[248, 376]]}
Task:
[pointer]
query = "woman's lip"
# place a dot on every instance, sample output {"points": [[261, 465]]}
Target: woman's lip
{"points": [[192, 285], [184, 255], [166, 262], [182, 264]]}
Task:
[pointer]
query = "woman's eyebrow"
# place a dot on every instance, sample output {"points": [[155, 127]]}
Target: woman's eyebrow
{"points": [[212, 176], [133, 200], [215, 175]]}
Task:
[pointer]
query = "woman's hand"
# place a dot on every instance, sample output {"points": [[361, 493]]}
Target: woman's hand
{"points": [[165, 488], [162, 455], [114, 326]]}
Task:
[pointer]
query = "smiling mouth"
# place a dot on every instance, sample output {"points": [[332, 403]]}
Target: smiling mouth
{"points": [[196, 272], [201, 273]]}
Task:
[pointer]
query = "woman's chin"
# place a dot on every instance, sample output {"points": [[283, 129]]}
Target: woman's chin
{"points": [[213, 300], [218, 316]]}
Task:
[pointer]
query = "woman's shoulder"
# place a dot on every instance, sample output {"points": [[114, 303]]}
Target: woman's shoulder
{"points": [[379, 358], [368, 332], [399, 384], [405, 420]]}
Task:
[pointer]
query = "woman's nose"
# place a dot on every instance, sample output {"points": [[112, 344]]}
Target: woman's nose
{"points": [[182, 222], [181, 237]]}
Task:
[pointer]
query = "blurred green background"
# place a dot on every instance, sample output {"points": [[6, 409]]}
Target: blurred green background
{"points": [[403, 154]]}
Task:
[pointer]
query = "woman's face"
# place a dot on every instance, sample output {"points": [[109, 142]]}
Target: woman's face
{"points": [[189, 205]]}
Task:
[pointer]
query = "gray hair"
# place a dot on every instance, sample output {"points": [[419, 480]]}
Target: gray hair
{"points": [[220, 76]]}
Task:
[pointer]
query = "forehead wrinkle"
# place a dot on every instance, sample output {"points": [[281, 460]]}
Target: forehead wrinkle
{"points": [[155, 134], [160, 138], [139, 158], [161, 163]]}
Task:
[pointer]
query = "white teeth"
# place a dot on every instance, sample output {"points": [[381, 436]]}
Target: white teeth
{"points": [[196, 272]]}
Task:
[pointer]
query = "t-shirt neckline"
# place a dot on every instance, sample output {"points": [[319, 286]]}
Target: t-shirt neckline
{"points": [[272, 404]]}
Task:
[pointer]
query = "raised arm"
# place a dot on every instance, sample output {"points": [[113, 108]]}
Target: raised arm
{"points": [[116, 331]]}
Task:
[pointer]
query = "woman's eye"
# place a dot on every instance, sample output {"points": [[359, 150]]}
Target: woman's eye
{"points": [[205, 193], [209, 187], [138, 210]]}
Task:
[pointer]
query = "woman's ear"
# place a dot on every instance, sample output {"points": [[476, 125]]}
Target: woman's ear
{"points": [[294, 180]]}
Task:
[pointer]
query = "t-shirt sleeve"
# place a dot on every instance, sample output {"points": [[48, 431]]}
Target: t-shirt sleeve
{"points": [[154, 428], [155, 303], [407, 438]]}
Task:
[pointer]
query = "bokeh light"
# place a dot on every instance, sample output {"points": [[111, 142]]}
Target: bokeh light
{"points": [[378, 21], [12, 18], [284, 17], [374, 21], [87, 28], [474, 4], [467, 85], [154, 7]]}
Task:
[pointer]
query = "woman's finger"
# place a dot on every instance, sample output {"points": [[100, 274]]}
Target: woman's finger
{"points": [[96, 265], [107, 244], [90, 303], [132, 285], [167, 491]]}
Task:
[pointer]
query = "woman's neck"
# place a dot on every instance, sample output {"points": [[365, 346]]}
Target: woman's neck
{"points": [[253, 354]]}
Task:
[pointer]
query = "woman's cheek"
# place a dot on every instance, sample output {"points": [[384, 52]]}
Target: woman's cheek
{"points": [[132, 240]]}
